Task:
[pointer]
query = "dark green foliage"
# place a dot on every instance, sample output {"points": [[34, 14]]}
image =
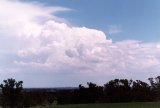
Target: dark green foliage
{"points": [[91, 94], [108, 105], [11, 94], [155, 87], [65, 97], [141, 91], [38, 98], [118, 90]]}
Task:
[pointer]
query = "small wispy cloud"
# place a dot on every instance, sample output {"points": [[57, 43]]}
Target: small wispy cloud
{"points": [[114, 29]]}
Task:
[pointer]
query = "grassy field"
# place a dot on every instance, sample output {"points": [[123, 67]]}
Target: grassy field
{"points": [[115, 105]]}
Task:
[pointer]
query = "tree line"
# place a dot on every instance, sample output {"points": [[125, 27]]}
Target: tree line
{"points": [[117, 90]]}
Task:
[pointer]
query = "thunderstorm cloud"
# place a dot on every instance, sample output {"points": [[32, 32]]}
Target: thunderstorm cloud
{"points": [[43, 50]]}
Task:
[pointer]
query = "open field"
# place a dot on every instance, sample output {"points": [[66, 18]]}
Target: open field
{"points": [[115, 105]]}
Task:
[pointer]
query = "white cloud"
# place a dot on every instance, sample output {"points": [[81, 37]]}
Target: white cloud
{"points": [[26, 16], [34, 45]]}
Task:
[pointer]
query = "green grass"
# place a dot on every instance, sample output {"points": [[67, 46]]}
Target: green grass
{"points": [[115, 105]]}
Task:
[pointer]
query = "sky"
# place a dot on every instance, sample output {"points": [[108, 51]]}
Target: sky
{"points": [[120, 20], [59, 43]]}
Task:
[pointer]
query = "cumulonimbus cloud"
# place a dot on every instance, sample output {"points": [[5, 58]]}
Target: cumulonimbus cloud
{"points": [[35, 44]]}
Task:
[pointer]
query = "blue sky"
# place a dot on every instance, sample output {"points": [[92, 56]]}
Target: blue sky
{"points": [[136, 19], [55, 43]]}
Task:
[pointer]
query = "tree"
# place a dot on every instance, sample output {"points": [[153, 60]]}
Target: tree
{"points": [[141, 91], [118, 90], [95, 92], [155, 86], [12, 93]]}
